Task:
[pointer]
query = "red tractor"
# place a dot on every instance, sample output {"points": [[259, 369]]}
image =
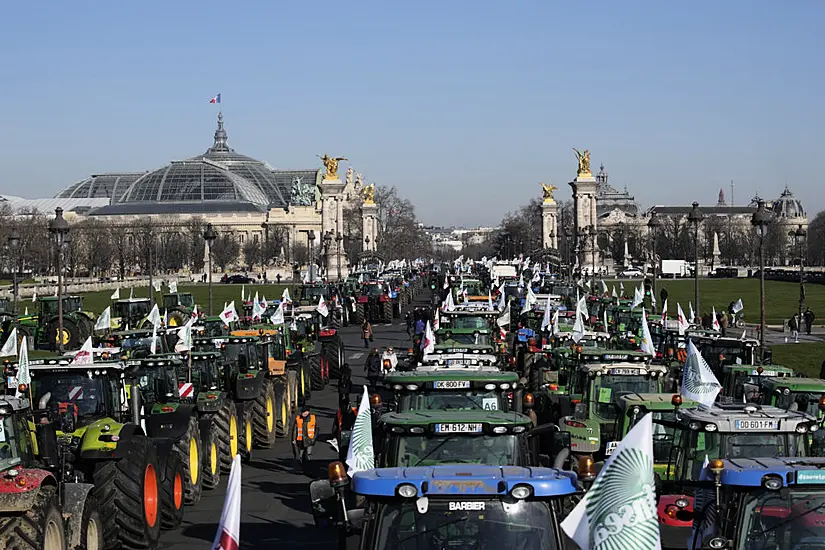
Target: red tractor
{"points": [[34, 503], [373, 303]]}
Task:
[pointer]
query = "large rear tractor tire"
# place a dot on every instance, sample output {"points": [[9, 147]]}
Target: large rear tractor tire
{"points": [[211, 464], [172, 492], [359, 315], [315, 373], [292, 377], [247, 434], [127, 492], [304, 382], [264, 415], [71, 334], [190, 451], [178, 317], [386, 312], [282, 411], [39, 528], [229, 439], [334, 352]]}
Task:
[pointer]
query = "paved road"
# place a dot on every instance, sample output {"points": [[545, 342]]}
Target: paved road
{"points": [[275, 507]]}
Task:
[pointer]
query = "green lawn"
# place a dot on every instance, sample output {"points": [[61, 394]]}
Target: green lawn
{"points": [[781, 298], [97, 301], [804, 357]]}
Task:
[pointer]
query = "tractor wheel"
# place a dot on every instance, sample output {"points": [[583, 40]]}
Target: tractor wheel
{"points": [[292, 377], [127, 492], [178, 317], [40, 527], [211, 465], [282, 412], [315, 373], [27, 332], [264, 415], [91, 526], [334, 357], [304, 383], [189, 449], [386, 312], [71, 333], [228, 434], [359, 314], [85, 326], [247, 434], [172, 492]]}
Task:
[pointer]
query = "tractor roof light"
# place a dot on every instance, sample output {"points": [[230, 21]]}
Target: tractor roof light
{"points": [[716, 466], [676, 400], [587, 468], [375, 400], [772, 483], [822, 403], [710, 427], [528, 401], [337, 474]]}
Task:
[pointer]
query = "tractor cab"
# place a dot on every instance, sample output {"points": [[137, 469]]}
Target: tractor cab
{"points": [[49, 305], [157, 379], [179, 300], [794, 394], [744, 382], [311, 294], [462, 347], [130, 312], [215, 327], [473, 339], [201, 369], [465, 318], [720, 352], [135, 344]]}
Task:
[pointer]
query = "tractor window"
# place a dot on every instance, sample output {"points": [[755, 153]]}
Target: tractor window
{"points": [[186, 300], [778, 519], [69, 391], [10, 443], [802, 402], [466, 322], [422, 450], [48, 308], [373, 290], [170, 301], [456, 400], [605, 394], [73, 303]]}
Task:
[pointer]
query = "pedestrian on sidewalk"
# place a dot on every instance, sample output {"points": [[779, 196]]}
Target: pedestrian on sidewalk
{"points": [[366, 333], [723, 323], [809, 320], [345, 382], [372, 369], [303, 437], [793, 324]]}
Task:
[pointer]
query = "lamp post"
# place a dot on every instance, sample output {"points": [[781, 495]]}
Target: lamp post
{"points": [[761, 218], [695, 217], [14, 245], [311, 241], [151, 286], [327, 242], [209, 236], [653, 225], [799, 235], [59, 229], [592, 232], [566, 233], [264, 245], [338, 239], [367, 244]]}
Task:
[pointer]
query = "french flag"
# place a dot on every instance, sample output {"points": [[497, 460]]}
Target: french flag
{"points": [[229, 530], [216, 99]]}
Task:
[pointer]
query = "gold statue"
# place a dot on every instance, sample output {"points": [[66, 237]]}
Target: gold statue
{"points": [[331, 164], [584, 162], [369, 194], [548, 193]]}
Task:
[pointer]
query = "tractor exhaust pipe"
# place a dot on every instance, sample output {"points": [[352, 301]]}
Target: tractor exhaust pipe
{"points": [[134, 397]]}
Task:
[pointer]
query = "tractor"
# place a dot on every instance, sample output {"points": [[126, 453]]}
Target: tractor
{"points": [[130, 312], [42, 328], [181, 306], [373, 304]]}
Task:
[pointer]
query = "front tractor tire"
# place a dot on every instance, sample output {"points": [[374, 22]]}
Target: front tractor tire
{"points": [[128, 493], [264, 414], [316, 372], [228, 434], [172, 492], [39, 528], [212, 452], [189, 449], [71, 333], [359, 315], [247, 434], [386, 311]]}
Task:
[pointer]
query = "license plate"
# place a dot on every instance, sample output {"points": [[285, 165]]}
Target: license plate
{"points": [[754, 372], [757, 424], [610, 357], [611, 446], [624, 372], [451, 384], [451, 362], [458, 428]]}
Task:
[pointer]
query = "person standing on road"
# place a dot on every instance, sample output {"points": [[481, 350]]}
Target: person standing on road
{"points": [[409, 319], [389, 360], [809, 320], [345, 381], [303, 437], [793, 324], [366, 333], [373, 369]]}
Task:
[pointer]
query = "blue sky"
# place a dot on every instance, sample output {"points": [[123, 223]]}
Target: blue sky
{"points": [[464, 106]]}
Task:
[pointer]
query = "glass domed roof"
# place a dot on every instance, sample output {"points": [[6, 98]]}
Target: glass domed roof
{"points": [[220, 174], [108, 186], [787, 206]]}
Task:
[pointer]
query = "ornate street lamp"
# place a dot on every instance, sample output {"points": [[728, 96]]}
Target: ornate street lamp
{"points": [[327, 242], [59, 229], [338, 239], [653, 225], [14, 245], [209, 236], [311, 241], [695, 217], [761, 218], [799, 237]]}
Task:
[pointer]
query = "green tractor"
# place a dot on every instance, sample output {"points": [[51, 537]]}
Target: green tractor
{"points": [[170, 422], [43, 327], [130, 312], [107, 447], [181, 306], [306, 335]]}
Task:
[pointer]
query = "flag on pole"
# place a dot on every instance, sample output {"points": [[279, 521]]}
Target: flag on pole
{"points": [[157, 285], [698, 381], [555, 322], [714, 319], [85, 355], [360, 456], [428, 342], [578, 325], [9, 349], [278, 317], [738, 306], [257, 310], [228, 536], [621, 288], [228, 315], [153, 347], [184, 342], [243, 296], [285, 296], [604, 287], [322, 307], [664, 313], [23, 374], [173, 287], [215, 99], [683, 322], [638, 298], [104, 322], [34, 295], [547, 320], [619, 510], [614, 294], [647, 339], [692, 314], [154, 316]]}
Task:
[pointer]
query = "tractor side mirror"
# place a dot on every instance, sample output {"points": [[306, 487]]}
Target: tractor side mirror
{"points": [[324, 503], [560, 440], [47, 445]]}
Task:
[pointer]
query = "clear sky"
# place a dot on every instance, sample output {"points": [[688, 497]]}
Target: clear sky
{"points": [[464, 106]]}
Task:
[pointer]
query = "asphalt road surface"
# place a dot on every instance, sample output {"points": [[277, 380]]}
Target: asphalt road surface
{"points": [[275, 509]]}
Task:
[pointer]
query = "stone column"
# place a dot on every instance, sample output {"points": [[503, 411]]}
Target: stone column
{"points": [[584, 214], [549, 225], [331, 192], [369, 225]]}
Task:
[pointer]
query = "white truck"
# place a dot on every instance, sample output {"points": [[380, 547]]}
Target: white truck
{"points": [[675, 268]]}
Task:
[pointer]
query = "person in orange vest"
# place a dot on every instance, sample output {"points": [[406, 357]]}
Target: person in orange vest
{"points": [[304, 432]]}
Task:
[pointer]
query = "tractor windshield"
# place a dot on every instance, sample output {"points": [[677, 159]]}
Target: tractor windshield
{"points": [[158, 384], [461, 400], [373, 290], [184, 300], [474, 339], [608, 389], [793, 519], [468, 322], [459, 524], [311, 293], [10, 444], [205, 374], [138, 347], [423, 450], [800, 401], [76, 392]]}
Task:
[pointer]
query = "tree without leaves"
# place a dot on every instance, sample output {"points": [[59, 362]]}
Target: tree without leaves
{"points": [[816, 239], [225, 250]]}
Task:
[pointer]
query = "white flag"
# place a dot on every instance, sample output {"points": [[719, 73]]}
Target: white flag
{"points": [[285, 296], [548, 315], [360, 456], [698, 381], [502, 299], [165, 317], [153, 347], [489, 301], [322, 307], [157, 285], [556, 329], [85, 355], [619, 510], [228, 315], [714, 319], [428, 342], [184, 342], [278, 317], [581, 315], [154, 316], [243, 296], [647, 340], [683, 322], [638, 298], [23, 374], [115, 294], [173, 287], [692, 314], [621, 288], [104, 322], [504, 319], [449, 304], [614, 294], [10, 347], [229, 529], [738, 306], [604, 287], [34, 295], [664, 313], [257, 310]]}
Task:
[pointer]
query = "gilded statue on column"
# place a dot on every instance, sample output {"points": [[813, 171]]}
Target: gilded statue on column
{"points": [[584, 162], [369, 194], [548, 193], [331, 164]]}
